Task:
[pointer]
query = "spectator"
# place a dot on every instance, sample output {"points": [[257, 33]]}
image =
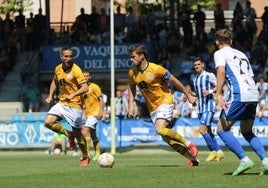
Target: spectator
{"points": [[142, 19], [264, 16], [262, 87], [8, 28], [29, 32], [44, 106], [94, 21], [104, 21], [184, 18], [39, 25], [164, 58], [121, 105], [238, 15], [130, 19], [199, 19], [160, 18], [219, 18], [31, 98], [78, 31], [119, 20], [250, 24], [184, 106], [83, 17], [20, 28]]}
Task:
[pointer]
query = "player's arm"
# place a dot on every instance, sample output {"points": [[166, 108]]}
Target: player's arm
{"points": [[132, 94], [174, 81], [83, 89], [52, 89], [220, 84]]}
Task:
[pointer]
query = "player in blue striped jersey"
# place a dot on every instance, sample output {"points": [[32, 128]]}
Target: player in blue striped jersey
{"points": [[204, 86], [233, 67]]}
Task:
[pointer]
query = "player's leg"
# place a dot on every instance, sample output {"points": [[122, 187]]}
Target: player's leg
{"points": [[214, 148], [95, 143], [255, 144], [163, 130], [86, 133], [236, 111], [52, 124], [52, 117], [183, 150]]}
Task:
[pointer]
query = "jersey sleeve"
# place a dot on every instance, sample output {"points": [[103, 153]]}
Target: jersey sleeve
{"points": [[218, 59]]}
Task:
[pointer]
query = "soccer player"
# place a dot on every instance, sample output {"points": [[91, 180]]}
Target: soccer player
{"points": [[93, 105], [204, 86], [233, 67], [152, 81], [68, 77]]}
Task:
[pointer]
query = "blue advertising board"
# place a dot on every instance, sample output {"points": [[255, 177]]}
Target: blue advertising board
{"points": [[128, 132], [94, 57]]}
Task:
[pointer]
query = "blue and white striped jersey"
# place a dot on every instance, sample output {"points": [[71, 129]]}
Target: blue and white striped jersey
{"points": [[238, 74], [205, 81]]}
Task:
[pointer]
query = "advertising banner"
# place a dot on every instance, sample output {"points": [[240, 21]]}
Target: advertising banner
{"points": [[128, 132]]}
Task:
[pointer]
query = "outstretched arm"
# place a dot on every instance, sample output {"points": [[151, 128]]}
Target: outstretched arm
{"points": [[174, 81], [132, 94]]}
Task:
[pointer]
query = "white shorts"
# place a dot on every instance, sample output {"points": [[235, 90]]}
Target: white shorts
{"points": [[164, 111], [91, 122], [72, 115]]}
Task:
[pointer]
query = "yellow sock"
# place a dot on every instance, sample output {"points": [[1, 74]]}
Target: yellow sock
{"points": [[88, 140], [58, 128], [178, 147], [173, 135], [81, 141], [97, 147]]}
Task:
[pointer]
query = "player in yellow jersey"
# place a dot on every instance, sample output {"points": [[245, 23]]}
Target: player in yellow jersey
{"points": [[93, 105], [68, 77], [152, 80]]}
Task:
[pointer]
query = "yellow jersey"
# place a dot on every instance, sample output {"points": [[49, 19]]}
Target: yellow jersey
{"points": [[92, 102], [68, 82], [153, 84]]}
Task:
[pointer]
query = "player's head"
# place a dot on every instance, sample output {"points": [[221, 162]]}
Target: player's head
{"points": [[198, 64], [137, 53], [67, 58], [223, 37], [87, 75]]}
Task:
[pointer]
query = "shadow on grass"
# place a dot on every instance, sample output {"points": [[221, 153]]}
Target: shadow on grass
{"points": [[243, 174], [157, 165]]}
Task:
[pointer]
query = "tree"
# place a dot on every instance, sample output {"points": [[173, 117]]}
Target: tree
{"points": [[14, 5]]}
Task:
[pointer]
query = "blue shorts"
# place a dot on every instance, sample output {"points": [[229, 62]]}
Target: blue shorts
{"points": [[205, 118], [239, 111]]}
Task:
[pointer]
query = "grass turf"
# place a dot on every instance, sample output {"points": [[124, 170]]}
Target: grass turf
{"points": [[132, 169]]}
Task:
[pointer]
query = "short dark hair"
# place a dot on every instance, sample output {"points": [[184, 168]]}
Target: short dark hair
{"points": [[198, 59], [138, 48]]}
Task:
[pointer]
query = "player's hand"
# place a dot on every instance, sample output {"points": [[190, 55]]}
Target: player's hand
{"points": [[69, 97], [192, 100], [131, 112], [222, 102], [48, 100]]}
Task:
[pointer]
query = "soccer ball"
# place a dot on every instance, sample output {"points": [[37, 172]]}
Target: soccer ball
{"points": [[106, 160], [57, 151]]}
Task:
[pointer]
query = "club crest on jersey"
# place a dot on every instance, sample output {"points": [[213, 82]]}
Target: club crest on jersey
{"points": [[70, 75], [150, 76]]}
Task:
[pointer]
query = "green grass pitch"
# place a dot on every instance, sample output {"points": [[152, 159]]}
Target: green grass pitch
{"points": [[140, 168]]}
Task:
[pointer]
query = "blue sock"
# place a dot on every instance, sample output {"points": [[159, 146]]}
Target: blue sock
{"points": [[232, 143], [217, 147], [211, 141], [255, 144]]}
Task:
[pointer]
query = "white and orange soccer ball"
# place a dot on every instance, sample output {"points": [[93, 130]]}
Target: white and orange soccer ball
{"points": [[106, 160]]}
